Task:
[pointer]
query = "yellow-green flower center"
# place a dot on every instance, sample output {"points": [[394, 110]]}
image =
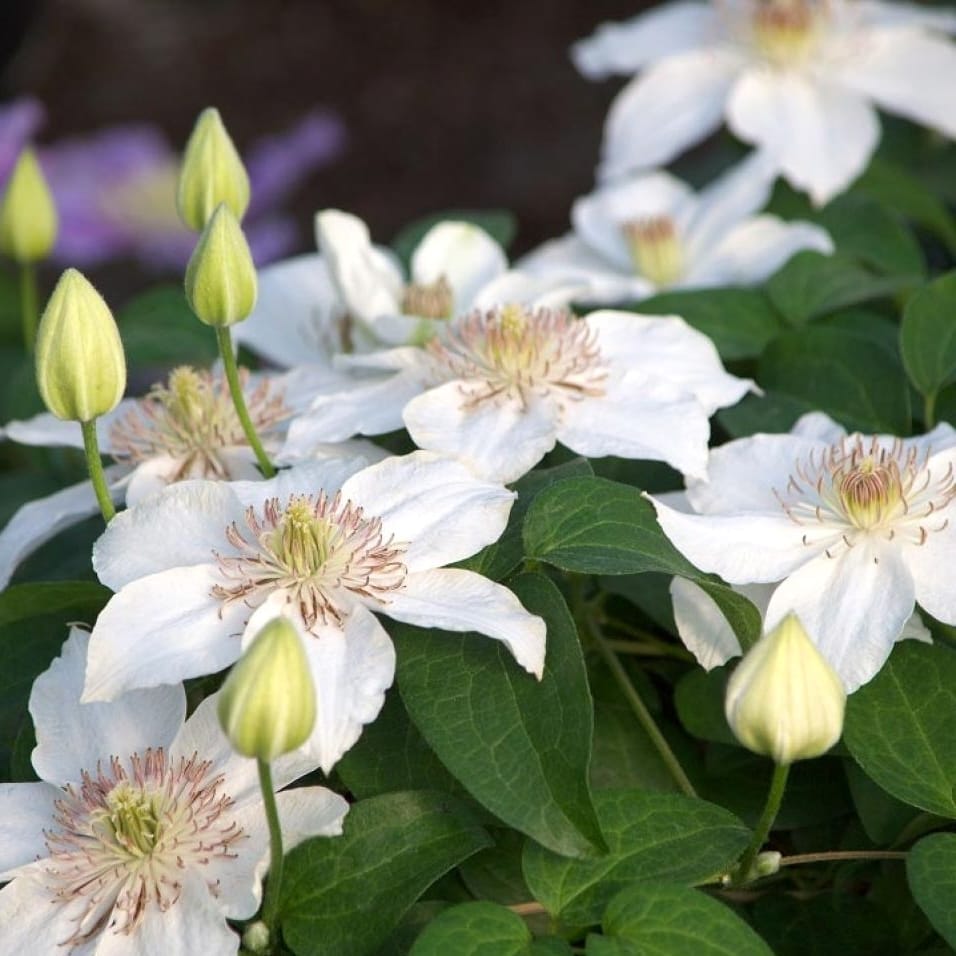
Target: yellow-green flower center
{"points": [[656, 249], [131, 817], [786, 32], [429, 300], [870, 491]]}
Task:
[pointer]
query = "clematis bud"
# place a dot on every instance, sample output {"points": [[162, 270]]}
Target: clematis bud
{"points": [[267, 703], [211, 173], [221, 276], [28, 221], [80, 365], [784, 700]]}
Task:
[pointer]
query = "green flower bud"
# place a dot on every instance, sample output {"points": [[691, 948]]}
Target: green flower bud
{"points": [[80, 365], [211, 173], [267, 703], [784, 700], [28, 221], [221, 277]]}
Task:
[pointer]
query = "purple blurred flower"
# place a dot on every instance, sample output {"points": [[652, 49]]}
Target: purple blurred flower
{"points": [[115, 189]]}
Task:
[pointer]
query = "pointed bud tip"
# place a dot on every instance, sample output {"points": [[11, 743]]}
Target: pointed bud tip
{"points": [[28, 219]]}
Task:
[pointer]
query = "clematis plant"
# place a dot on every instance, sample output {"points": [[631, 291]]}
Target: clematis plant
{"points": [[648, 233], [502, 386], [201, 567], [145, 832], [797, 78], [854, 529]]}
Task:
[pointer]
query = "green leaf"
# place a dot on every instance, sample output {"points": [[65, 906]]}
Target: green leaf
{"points": [[652, 837], [83, 599], [495, 874], [771, 412], [812, 285], [699, 698], [520, 747], [899, 727], [931, 873], [475, 929], [673, 921], [740, 322], [500, 559], [500, 224], [836, 370], [928, 335], [342, 896], [159, 329], [882, 817], [596, 526]]}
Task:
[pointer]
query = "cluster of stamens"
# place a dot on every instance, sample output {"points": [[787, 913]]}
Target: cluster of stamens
{"points": [[430, 300], [318, 550], [786, 32], [124, 838], [656, 249], [859, 487], [193, 420], [515, 352]]}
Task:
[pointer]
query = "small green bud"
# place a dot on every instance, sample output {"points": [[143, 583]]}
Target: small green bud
{"points": [[211, 173], [28, 221], [784, 700], [80, 365], [267, 703], [256, 938], [221, 277]]}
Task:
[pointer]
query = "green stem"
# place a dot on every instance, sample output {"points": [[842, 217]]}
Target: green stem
{"points": [[95, 465], [641, 712], [28, 304], [235, 389], [778, 785], [929, 410], [837, 856], [271, 903]]}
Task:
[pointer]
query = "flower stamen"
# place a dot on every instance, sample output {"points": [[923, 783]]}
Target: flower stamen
{"points": [[656, 249], [786, 32], [430, 300]]}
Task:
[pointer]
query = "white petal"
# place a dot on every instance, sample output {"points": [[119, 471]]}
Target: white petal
{"points": [[26, 811], [161, 629], [599, 217], [660, 32], [180, 526], [298, 315], [150, 477], [436, 505], [745, 475], [535, 291], [31, 923], [639, 418], [701, 625], [461, 253], [930, 564], [669, 350], [498, 439], [36, 522], [49, 431], [819, 426], [661, 112], [755, 548], [368, 281], [821, 137], [309, 478], [739, 192], [456, 600], [570, 261], [72, 737], [754, 250], [853, 606]]}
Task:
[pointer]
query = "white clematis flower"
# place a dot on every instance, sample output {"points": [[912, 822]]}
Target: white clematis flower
{"points": [[653, 232], [186, 428], [200, 568], [145, 833], [853, 530], [501, 387], [798, 78]]}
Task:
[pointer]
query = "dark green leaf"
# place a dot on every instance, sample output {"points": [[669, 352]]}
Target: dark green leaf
{"points": [[931, 871], [928, 335], [475, 929], [652, 837], [342, 896], [899, 726], [159, 329], [771, 412], [500, 224], [495, 874], [83, 599], [699, 698], [883, 817], [519, 746], [667, 920], [595, 526]]}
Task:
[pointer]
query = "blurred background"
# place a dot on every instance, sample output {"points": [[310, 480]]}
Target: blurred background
{"points": [[416, 107]]}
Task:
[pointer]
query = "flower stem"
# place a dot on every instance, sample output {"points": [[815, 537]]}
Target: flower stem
{"points": [[641, 712], [929, 410], [95, 465], [271, 902], [235, 389], [836, 856], [28, 304], [778, 784]]}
